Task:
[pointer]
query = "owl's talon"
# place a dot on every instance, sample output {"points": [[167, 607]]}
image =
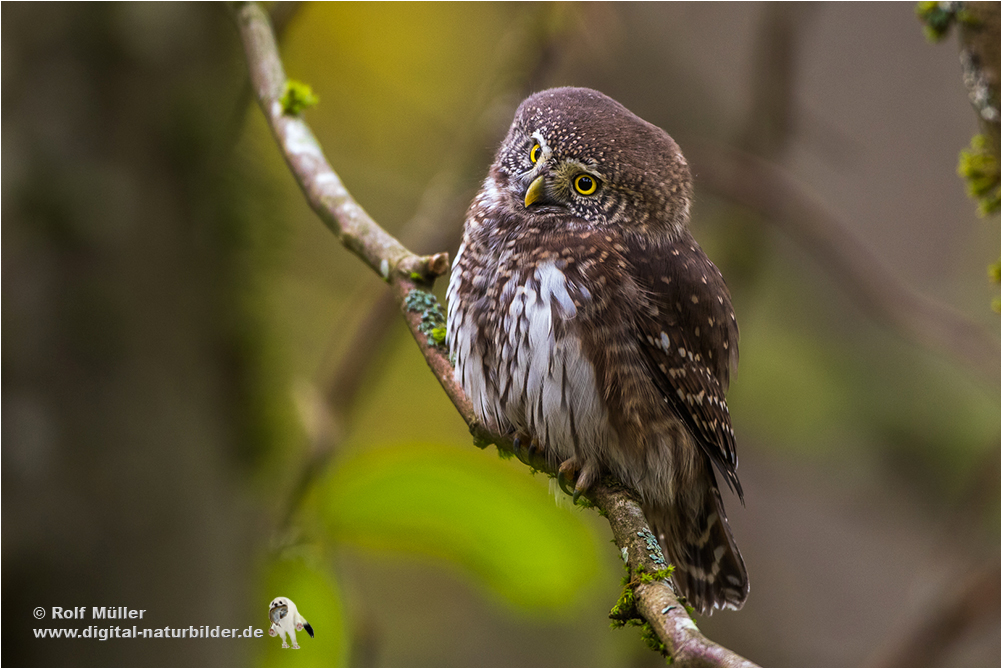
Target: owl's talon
{"points": [[516, 447], [564, 484], [575, 480], [586, 477], [531, 455], [566, 476]]}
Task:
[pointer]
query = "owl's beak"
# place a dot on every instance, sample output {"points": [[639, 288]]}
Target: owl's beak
{"points": [[536, 191]]}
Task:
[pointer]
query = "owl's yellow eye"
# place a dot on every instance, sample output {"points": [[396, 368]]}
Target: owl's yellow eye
{"points": [[585, 184], [534, 153]]}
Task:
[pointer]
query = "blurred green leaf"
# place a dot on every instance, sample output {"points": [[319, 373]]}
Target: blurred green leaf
{"points": [[318, 600], [466, 508]]}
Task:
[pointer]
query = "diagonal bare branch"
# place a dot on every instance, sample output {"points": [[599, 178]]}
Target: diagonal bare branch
{"points": [[405, 272], [767, 189]]}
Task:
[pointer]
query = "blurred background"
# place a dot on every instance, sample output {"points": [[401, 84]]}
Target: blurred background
{"points": [[208, 402]]}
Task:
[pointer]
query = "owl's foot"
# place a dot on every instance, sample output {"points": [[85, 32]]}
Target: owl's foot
{"points": [[295, 646], [581, 476], [531, 454], [285, 645]]}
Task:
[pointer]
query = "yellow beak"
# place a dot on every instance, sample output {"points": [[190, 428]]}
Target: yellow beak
{"points": [[535, 191]]}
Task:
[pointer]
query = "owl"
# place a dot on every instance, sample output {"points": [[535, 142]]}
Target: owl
{"points": [[587, 324]]}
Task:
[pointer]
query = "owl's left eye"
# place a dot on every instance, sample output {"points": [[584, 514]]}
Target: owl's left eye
{"points": [[585, 184], [534, 153]]}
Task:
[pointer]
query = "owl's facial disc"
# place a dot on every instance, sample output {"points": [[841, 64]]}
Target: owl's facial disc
{"points": [[561, 183]]}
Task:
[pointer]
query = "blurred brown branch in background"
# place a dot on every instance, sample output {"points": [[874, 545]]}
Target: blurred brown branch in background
{"points": [[405, 272], [773, 193], [969, 602], [751, 176]]}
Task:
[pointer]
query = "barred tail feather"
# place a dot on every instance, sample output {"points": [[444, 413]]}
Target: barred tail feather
{"points": [[709, 569]]}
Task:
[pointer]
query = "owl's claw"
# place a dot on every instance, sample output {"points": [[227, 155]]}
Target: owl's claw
{"points": [[566, 476], [531, 455], [581, 478], [516, 447]]}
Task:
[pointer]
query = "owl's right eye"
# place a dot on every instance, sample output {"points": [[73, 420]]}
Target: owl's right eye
{"points": [[534, 153]]}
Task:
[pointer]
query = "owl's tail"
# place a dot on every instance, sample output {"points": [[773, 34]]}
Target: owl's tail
{"points": [[709, 569]]}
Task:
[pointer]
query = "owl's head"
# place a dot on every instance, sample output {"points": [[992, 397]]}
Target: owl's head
{"points": [[575, 151]]}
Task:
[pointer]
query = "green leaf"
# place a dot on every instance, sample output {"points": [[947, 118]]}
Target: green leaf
{"points": [[296, 97], [475, 511], [318, 600]]}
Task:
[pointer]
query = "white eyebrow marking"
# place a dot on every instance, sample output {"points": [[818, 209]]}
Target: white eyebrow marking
{"points": [[547, 151]]}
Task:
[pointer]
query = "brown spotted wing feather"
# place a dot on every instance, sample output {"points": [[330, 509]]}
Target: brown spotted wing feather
{"points": [[689, 337]]}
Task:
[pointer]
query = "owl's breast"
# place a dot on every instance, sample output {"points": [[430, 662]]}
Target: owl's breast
{"points": [[518, 349]]}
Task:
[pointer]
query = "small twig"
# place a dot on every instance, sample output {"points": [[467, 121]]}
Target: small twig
{"points": [[281, 15], [405, 271]]}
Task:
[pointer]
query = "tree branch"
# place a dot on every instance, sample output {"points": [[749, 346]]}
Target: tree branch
{"points": [[979, 58], [968, 602], [406, 272]]}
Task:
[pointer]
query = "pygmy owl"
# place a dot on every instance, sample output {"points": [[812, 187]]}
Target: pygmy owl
{"points": [[586, 323]]}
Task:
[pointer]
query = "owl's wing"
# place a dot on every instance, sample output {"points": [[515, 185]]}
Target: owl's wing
{"points": [[689, 337]]}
